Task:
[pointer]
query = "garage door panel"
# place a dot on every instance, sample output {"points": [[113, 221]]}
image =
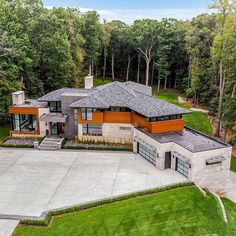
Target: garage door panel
{"points": [[182, 167], [147, 153]]}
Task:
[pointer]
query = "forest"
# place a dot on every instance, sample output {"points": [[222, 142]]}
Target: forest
{"points": [[45, 49]]}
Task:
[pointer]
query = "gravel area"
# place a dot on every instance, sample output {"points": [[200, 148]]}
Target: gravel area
{"points": [[72, 143], [19, 142]]}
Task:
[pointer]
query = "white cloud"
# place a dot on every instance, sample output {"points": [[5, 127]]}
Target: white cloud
{"points": [[130, 15]]}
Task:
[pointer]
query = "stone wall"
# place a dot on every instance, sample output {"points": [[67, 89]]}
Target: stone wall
{"points": [[43, 126], [214, 177]]}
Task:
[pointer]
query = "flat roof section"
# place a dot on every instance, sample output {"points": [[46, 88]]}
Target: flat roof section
{"points": [[189, 139], [31, 103]]}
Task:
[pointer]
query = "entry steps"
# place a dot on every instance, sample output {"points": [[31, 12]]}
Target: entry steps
{"points": [[51, 143]]}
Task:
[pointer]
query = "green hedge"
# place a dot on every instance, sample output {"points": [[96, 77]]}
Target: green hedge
{"points": [[48, 218], [17, 145], [101, 148]]}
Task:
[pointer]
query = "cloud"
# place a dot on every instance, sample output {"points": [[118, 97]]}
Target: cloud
{"points": [[130, 15]]}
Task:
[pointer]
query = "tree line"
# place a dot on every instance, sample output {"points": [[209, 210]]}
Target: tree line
{"points": [[45, 49]]}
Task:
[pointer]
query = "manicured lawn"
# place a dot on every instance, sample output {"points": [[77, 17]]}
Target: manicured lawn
{"points": [[176, 212], [4, 131], [233, 164], [230, 208], [198, 121]]}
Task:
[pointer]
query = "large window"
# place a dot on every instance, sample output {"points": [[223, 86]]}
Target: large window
{"points": [[163, 118], [94, 130], [119, 109], [87, 113], [24, 122], [55, 106]]}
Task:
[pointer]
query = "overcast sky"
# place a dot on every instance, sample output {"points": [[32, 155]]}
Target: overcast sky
{"points": [[130, 10]]}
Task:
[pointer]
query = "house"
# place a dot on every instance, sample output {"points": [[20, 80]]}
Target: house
{"points": [[126, 113]]}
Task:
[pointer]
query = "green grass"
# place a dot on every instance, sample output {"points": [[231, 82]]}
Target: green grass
{"points": [[233, 164], [196, 120], [4, 131], [230, 208], [99, 81], [176, 212]]}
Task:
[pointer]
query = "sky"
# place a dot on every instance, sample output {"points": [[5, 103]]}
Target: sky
{"points": [[130, 10]]}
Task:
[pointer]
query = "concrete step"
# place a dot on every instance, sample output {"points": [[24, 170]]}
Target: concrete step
{"points": [[50, 144]]}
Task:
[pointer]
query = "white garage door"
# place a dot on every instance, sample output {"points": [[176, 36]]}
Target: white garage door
{"points": [[182, 167], [147, 153]]}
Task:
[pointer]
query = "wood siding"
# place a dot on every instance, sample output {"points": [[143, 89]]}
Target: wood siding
{"points": [[23, 110], [167, 126], [139, 121], [97, 118], [117, 117], [134, 119]]}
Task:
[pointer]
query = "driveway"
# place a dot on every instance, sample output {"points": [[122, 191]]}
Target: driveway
{"points": [[231, 187], [33, 181]]}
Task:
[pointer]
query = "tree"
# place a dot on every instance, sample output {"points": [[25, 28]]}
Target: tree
{"points": [[91, 32], [225, 8], [106, 30], [115, 44], [145, 39]]}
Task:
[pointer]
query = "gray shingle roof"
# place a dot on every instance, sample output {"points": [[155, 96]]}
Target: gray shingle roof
{"points": [[189, 139], [55, 96], [117, 94]]}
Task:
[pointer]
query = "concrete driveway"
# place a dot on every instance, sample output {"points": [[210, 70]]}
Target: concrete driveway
{"points": [[33, 181], [231, 187]]}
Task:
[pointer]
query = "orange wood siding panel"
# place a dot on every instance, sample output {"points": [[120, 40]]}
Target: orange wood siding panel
{"points": [[167, 126], [26, 111], [131, 118], [141, 122], [97, 118], [23, 110], [117, 117]]}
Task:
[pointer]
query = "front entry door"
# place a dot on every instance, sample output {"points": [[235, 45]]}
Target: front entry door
{"points": [[167, 160], [54, 129]]}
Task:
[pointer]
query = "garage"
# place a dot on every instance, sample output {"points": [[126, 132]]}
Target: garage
{"points": [[182, 164], [147, 152], [182, 167]]}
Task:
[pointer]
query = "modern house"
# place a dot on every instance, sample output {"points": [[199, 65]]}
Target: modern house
{"points": [[126, 113]]}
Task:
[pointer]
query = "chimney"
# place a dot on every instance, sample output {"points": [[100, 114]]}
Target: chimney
{"points": [[88, 83], [18, 97]]}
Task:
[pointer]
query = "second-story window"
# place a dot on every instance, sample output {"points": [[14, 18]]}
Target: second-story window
{"points": [[87, 113], [55, 106]]}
